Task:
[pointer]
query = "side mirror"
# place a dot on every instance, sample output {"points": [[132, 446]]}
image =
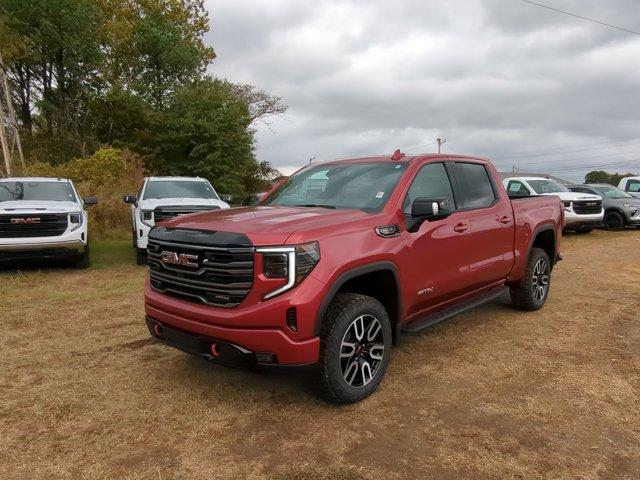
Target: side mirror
{"points": [[88, 201], [131, 199], [427, 209]]}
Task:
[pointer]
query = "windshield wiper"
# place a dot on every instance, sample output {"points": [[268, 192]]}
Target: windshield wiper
{"points": [[315, 205]]}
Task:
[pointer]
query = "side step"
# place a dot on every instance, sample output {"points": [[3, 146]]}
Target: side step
{"points": [[453, 310]]}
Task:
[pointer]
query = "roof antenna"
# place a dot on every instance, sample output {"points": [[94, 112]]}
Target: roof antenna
{"points": [[397, 155]]}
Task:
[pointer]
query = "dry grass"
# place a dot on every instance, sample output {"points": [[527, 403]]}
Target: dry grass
{"points": [[84, 393]]}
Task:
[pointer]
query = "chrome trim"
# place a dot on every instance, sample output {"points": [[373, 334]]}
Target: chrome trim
{"points": [[77, 244], [291, 272]]}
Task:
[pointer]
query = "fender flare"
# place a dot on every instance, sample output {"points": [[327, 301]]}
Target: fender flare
{"points": [[353, 273], [538, 231]]}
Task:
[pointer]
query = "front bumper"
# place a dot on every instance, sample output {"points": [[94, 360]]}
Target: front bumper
{"points": [[632, 220], [572, 219], [259, 328], [43, 250]]}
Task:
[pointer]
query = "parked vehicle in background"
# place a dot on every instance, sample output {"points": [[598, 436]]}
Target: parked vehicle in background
{"points": [[620, 208], [582, 212], [43, 218], [163, 198], [336, 262], [631, 185]]}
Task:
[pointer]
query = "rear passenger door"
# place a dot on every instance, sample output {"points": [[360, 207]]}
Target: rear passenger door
{"points": [[486, 225]]}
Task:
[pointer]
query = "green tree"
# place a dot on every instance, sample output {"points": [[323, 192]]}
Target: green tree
{"points": [[600, 176]]}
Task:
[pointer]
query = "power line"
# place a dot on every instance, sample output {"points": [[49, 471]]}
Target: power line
{"points": [[562, 150], [633, 32]]}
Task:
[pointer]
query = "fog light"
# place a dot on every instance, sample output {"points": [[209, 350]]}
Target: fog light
{"points": [[266, 357]]}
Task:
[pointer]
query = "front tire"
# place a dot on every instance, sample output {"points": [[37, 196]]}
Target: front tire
{"points": [[141, 256], [355, 346], [614, 221], [84, 260], [532, 291]]}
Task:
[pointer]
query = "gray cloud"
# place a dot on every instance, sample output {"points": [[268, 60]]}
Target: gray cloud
{"points": [[495, 77]]}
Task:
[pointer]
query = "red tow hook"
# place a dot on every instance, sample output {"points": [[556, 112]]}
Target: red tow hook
{"points": [[157, 329], [215, 351]]}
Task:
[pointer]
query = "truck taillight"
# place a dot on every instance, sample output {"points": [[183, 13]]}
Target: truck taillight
{"points": [[292, 263]]}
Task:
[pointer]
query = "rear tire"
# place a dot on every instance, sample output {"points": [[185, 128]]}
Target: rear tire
{"points": [[355, 346], [614, 221], [84, 260], [532, 291], [141, 256]]}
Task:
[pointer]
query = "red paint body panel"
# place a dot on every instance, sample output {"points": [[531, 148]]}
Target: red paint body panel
{"points": [[457, 256]]}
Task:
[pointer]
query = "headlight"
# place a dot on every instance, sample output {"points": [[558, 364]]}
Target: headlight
{"points": [[291, 263], [75, 219], [567, 204], [628, 205], [146, 217]]}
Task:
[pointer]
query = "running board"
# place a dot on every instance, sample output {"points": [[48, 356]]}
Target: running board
{"points": [[453, 310]]}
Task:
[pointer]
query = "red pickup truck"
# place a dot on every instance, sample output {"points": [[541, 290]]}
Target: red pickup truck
{"points": [[332, 266]]}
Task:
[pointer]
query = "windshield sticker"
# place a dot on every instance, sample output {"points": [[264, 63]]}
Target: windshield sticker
{"points": [[379, 194]]}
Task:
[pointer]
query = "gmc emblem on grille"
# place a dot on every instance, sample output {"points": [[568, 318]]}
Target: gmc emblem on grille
{"points": [[591, 204], [25, 220], [182, 259]]}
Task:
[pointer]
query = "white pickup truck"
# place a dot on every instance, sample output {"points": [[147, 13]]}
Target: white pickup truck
{"points": [[162, 198], [582, 212], [631, 185], [43, 218]]}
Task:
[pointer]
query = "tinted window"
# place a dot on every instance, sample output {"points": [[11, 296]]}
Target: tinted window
{"points": [[517, 188], [178, 189], [365, 186], [633, 186], [51, 191], [612, 192], [431, 181], [474, 183], [582, 190]]}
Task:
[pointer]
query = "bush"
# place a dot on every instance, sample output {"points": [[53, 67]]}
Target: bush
{"points": [[108, 174]]}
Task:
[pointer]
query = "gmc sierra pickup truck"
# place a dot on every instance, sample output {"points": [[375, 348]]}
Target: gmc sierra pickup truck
{"points": [[43, 218], [333, 265]]}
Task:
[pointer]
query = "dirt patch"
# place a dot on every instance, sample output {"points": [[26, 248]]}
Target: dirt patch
{"points": [[495, 393]]}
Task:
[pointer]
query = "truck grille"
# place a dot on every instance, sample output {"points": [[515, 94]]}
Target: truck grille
{"points": [[210, 274], [165, 213], [586, 207], [33, 225]]}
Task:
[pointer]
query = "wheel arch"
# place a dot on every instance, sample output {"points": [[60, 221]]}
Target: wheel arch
{"points": [[545, 237], [385, 289]]}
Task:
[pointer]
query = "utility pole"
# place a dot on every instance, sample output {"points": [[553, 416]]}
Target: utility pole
{"points": [[441, 141], [12, 123]]}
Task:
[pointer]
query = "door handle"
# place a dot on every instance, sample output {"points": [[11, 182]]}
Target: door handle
{"points": [[505, 219], [461, 227]]}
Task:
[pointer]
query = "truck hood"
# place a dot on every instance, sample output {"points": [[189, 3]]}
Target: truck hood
{"points": [[152, 203], [38, 206], [573, 196], [267, 225]]}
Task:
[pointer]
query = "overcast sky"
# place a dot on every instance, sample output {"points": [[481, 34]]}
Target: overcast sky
{"points": [[520, 84]]}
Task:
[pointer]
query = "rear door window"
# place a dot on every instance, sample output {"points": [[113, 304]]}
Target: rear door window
{"points": [[474, 188]]}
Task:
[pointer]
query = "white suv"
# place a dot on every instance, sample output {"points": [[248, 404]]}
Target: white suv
{"points": [[582, 211], [43, 218], [162, 198]]}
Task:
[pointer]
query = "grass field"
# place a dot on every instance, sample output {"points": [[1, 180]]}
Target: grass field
{"points": [[494, 393]]}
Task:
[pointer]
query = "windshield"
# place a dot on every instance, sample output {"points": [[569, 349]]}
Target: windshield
{"points": [[613, 192], [546, 186], [179, 189], [49, 191], [365, 186]]}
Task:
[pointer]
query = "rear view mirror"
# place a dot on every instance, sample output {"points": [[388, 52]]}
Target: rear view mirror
{"points": [[131, 199], [427, 209], [88, 201], [430, 208]]}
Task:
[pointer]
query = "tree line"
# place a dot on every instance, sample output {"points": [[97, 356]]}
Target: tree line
{"points": [[130, 74]]}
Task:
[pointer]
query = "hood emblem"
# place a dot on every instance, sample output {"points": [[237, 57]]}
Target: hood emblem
{"points": [[182, 259], [24, 220]]}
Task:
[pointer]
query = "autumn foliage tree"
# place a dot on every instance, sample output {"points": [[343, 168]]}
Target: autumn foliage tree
{"points": [[133, 74]]}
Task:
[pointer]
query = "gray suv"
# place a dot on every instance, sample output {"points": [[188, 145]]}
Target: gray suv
{"points": [[620, 208]]}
